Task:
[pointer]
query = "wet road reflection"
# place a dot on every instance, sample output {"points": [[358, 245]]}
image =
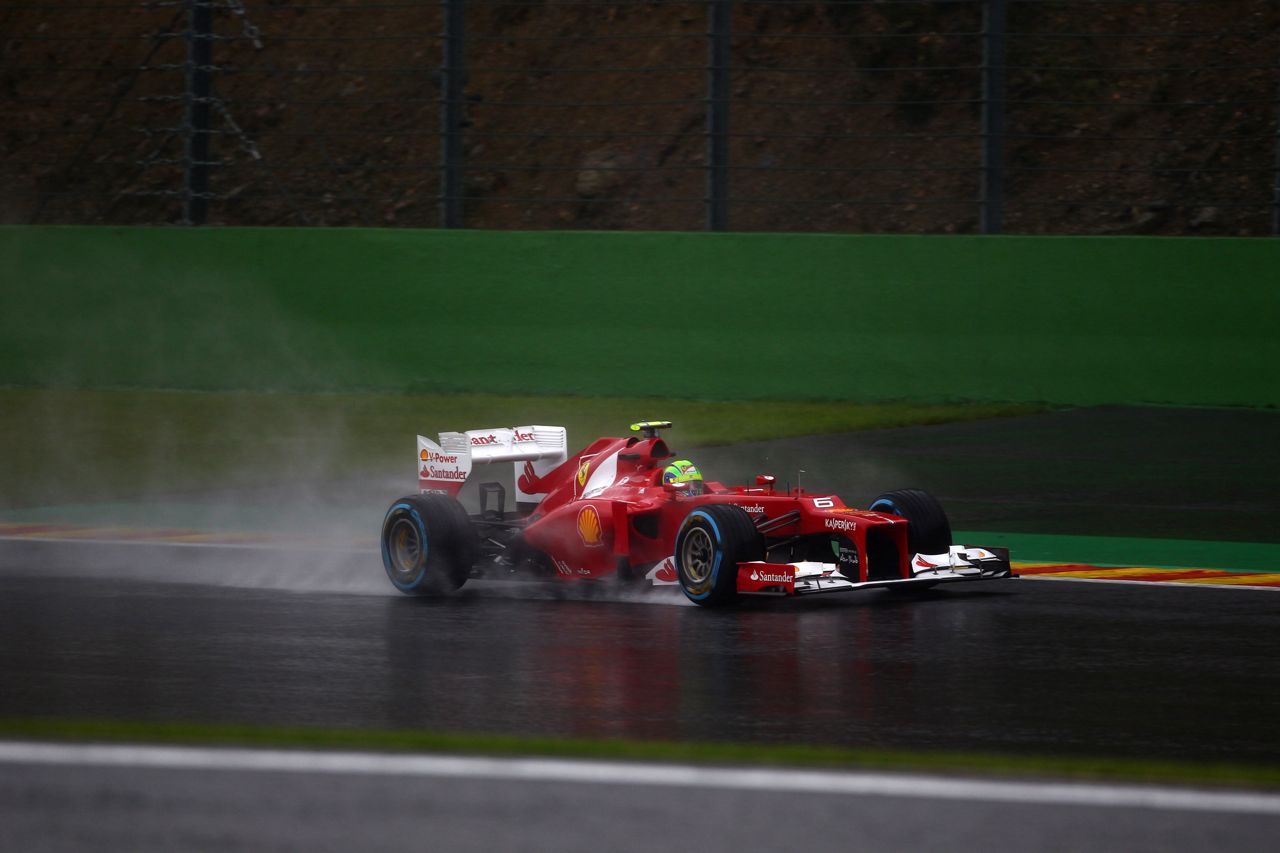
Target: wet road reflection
{"points": [[1024, 666], [1038, 666]]}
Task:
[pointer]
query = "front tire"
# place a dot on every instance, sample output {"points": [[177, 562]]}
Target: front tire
{"points": [[711, 543], [428, 544], [928, 530]]}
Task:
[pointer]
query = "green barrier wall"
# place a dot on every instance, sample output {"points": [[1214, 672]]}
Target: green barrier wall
{"points": [[1060, 319]]}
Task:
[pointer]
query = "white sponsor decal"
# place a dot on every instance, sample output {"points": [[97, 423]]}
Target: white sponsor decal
{"points": [[602, 476], [429, 473], [846, 524], [664, 572], [754, 510], [436, 463], [770, 577]]}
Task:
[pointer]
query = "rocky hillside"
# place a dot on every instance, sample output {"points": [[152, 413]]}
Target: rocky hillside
{"points": [[1123, 117]]}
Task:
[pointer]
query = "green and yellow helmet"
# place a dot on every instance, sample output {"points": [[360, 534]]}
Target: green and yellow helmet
{"points": [[683, 471]]}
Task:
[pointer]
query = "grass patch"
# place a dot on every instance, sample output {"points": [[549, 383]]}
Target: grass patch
{"points": [[812, 756], [68, 445]]}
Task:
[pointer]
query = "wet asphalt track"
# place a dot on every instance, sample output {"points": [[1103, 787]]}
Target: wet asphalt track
{"points": [[1023, 667]]}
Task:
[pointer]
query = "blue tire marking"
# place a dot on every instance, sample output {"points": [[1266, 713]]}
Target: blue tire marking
{"points": [[892, 508], [386, 551], [715, 566]]}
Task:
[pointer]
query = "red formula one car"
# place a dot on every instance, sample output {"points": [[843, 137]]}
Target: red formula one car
{"points": [[620, 509]]}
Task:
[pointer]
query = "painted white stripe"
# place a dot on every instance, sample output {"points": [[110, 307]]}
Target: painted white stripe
{"points": [[1181, 584], [617, 773]]}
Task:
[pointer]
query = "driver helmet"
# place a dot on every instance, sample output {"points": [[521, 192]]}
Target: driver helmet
{"points": [[684, 471]]}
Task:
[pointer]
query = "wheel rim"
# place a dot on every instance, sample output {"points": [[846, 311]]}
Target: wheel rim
{"points": [[405, 547], [697, 556]]}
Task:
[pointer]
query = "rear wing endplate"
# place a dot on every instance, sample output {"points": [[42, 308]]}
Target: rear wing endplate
{"points": [[445, 467]]}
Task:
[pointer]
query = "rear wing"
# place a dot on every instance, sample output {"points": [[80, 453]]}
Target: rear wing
{"points": [[445, 467]]}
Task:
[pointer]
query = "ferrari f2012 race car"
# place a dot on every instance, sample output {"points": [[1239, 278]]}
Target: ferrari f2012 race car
{"points": [[619, 509]]}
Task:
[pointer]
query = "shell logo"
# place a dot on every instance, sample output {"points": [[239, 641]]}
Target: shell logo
{"points": [[589, 528], [583, 470], [422, 454]]}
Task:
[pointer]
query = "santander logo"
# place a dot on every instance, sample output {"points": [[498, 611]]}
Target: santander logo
{"points": [[770, 577], [517, 437], [428, 473]]}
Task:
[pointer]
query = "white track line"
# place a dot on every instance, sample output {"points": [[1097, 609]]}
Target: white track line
{"points": [[618, 773]]}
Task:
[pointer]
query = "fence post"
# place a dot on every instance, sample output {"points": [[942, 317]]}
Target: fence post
{"points": [[453, 80], [718, 15], [199, 37], [994, 20]]}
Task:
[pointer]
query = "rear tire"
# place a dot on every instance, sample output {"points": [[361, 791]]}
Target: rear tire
{"points": [[928, 530], [711, 543], [428, 544]]}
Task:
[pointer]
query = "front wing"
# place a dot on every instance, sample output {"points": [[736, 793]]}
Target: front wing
{"points": [[961, 563]]}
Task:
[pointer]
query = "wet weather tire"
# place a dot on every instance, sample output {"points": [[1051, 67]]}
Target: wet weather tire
{"points": [[711, 543], [928, 530], [428, 544]]}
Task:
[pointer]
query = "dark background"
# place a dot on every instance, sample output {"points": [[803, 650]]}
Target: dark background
{"points": [[1102, 117]]}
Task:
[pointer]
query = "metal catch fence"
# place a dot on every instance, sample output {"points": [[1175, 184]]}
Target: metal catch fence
{"points": [[941, 116]]}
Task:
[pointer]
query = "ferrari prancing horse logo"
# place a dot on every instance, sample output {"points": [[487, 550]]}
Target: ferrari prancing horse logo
{"points": [[583, 470], [589, 528]]}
